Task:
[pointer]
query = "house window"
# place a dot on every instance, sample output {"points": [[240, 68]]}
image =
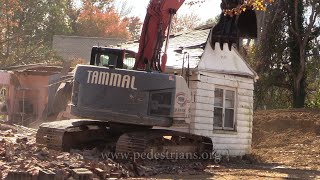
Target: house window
{"points": [[224, 111]]}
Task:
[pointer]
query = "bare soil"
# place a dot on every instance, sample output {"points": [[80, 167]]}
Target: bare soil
{"points": [[286, 145]]}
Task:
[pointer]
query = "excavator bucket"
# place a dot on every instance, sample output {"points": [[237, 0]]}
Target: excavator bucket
{"points": [[231, 28]]}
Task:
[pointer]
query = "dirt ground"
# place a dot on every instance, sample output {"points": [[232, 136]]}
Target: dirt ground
{"points": [[286, 145]]}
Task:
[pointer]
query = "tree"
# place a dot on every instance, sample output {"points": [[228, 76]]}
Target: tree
{"points": [[72, 15], [7, 22], [282, 54], [57, 23], [24, 34], [134, 27], [96, 20], [300, 32], [124, 9], [255, 4], [185, 22]]}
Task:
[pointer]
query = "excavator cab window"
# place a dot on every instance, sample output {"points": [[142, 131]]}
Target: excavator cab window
{"points": [[128, 61], [104, 60], [108, 60], [109, 57]]}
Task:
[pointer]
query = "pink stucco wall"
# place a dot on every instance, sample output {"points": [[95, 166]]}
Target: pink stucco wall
{"points": [[34, 84], [4, 77], [36, 92]]}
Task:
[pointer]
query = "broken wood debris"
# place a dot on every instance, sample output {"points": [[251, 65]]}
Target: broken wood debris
{"points": [[21, 158]]}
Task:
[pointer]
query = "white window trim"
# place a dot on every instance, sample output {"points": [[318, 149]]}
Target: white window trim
{"points": [[224, 88]]}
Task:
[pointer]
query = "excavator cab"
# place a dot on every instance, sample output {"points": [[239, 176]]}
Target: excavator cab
{"points": [[113, 58]]}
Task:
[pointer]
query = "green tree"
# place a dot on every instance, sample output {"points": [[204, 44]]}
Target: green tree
{"points": [[56, 21], [24, 32], [282, 53]]}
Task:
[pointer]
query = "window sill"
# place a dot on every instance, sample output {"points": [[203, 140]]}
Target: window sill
{"points": [[220, 131]]}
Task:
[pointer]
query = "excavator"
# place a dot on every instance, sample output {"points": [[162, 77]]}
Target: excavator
{"points": [[122, 95]]}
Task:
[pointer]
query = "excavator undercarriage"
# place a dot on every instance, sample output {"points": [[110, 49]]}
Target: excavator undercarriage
{"points": [[132, 140]]}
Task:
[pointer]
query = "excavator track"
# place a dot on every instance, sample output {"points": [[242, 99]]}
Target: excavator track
{"points": [[82, 133], [67, 134], [157, 141], [79, 133]]}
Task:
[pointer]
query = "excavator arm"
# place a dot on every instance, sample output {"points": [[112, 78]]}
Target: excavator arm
{"points": [[158, 20]]}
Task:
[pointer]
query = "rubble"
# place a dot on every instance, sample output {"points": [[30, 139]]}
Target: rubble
{"points": [[22, 158]]}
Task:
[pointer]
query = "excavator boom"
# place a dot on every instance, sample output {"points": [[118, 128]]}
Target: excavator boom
{"points": [[156, 22]]}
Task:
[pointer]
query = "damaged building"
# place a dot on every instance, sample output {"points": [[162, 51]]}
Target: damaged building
{"points": [[27, 92]]}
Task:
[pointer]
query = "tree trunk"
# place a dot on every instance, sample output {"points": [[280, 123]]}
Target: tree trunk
{"points": [[297, 53], [299, 93]]}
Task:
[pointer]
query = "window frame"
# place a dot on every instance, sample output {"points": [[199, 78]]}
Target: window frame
{"points": [[225, 89]]}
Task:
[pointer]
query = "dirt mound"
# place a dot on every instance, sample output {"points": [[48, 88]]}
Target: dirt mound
{"points": [[289, 137]]}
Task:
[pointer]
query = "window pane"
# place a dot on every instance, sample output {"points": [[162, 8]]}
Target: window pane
{"points": [[128, 63], [229, 99], [228, 119], [218, 97], [217, 119], [104, 60]]}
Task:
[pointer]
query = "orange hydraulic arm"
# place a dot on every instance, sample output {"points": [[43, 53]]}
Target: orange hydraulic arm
{"points": [[157, 21]]}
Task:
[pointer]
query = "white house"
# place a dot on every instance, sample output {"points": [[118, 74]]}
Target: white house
{"points": [[221, 84]]}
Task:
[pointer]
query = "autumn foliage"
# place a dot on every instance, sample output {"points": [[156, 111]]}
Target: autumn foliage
{"points": [[96, 22], [259, 5], [27, 27], [7, 12], [252, 4]]}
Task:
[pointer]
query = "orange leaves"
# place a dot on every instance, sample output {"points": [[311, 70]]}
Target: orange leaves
{"points": [[259, 5], [7, 11], [94, 21]]}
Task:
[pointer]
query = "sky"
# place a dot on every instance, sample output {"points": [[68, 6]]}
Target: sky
{"points": [[208, 9]]}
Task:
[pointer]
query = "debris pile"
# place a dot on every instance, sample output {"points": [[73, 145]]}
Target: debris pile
{"points": [[22, 158], [169, 167]]}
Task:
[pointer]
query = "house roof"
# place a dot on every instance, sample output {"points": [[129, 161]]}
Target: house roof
{"points": [[193, 44], [79, 47], [36, 69]]}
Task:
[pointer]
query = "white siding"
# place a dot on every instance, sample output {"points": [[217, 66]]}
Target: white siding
{"points": [[234, 143]]}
